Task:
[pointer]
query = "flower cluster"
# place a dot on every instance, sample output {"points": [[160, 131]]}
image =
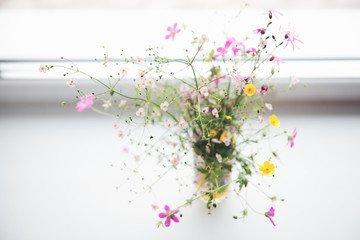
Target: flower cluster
{"points": [[211, 112]]}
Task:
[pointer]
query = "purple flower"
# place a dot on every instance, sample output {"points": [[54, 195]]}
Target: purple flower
{"points": [[169, 215], [270, 214]]}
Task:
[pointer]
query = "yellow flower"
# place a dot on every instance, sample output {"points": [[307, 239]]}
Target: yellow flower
{"points": [[249, 89], [274, 121], [267, 168], [229, 118], [212, 133]]}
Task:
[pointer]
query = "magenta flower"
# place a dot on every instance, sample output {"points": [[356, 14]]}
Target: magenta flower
{"points": [[173, 31], [169, 215], [251, 50], [264, 90], [291, 37], [223, 50], [236, 46], [270, 214], [291, 138], [272, 12], [85, 102]]}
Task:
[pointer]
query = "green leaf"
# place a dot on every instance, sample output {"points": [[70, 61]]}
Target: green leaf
{"points": [[242, 181], [212, 53]]}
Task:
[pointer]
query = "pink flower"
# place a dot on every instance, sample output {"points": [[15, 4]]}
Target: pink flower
{"points": [[276, 60], [182, 123], [291, 37], [224, 50], [169, 215], [204, 91], [291, 138], [264, 90], [172, 31], [85, 102], [272, 12], [270, 214], [237, 46], [251, 50]]}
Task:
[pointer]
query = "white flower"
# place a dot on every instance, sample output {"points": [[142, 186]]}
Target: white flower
{"points": [[215, 112], [226, 141], [42, 68], [293, 81], [164, 106], [122, 103], [205, 110], [204, 91], [142, 73], [261, 119], [139, 84], [121, 134], [115, 125], [263, 43], [169, 124], [140, 112], [71, 83], [268, 106], [182, 123], [124, 71], [218, 157], [184, 88], [107, 104]]}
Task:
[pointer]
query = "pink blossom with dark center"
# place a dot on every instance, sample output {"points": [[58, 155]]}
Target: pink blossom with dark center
{"points": [[291, 37], [169, 215], [272, 12]]}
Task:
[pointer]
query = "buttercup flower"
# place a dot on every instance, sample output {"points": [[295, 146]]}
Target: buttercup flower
{"points": [[267, 168], [169, 215], [274, 121], [173, 31], [140, 112], [291, 138], [212, 133], [164, 106], [270, 214], [85, 102], [249, 89]]}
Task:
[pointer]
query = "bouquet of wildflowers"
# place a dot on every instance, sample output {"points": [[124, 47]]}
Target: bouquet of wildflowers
{"points": [[205, 101]]}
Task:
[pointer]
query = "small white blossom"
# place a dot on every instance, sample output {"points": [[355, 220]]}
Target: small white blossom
{"points": [[215, 112], [140, 112], [169, 124], [42, 68], [164, 106], [205, 110], [107, 104], [204, 91], [218, 157], [71, 83], [268, 106]]}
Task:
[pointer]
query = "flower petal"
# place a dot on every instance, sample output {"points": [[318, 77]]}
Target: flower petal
{"points": [[167, 222], [162, 215], [174, 218], [272, 221], [167, 208]]}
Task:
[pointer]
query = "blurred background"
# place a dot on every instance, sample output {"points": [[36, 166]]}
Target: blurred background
{"points": [[56, 181]]}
